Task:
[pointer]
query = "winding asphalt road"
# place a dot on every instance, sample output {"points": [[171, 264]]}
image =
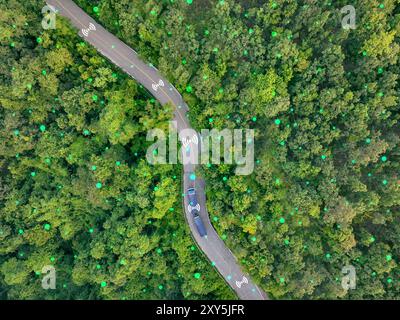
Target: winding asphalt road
{"points": [[129, 61]]}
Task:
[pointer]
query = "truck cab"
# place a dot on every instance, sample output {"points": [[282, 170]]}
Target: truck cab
{"points": [[194, 209], [192, 197]]}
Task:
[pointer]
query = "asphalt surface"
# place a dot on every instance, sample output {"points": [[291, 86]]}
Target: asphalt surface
{"points": [[128, 60]]}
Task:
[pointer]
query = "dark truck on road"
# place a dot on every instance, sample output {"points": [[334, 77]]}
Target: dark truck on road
{"points": [[194, 209]]}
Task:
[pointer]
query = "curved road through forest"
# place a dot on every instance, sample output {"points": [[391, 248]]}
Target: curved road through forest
{"points": [[129, 61]]}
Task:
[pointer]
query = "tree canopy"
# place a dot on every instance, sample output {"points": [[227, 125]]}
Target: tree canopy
{"points": [[77, 192]]}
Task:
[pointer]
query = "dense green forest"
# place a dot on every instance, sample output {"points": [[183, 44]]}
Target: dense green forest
{"points": [[76, 190]]}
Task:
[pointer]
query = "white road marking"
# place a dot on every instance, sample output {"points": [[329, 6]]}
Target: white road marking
{"points": [[86, 32]]}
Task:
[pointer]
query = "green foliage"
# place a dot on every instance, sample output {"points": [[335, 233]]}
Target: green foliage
{"points": [[324, 102], [76, 191]]}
